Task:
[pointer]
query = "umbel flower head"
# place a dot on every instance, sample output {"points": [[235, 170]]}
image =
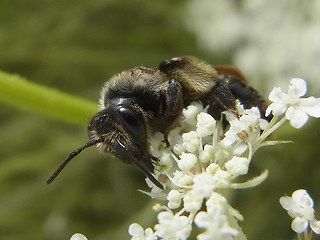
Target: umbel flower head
{"points": [[204, 158]]}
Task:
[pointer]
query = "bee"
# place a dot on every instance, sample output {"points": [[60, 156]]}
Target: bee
{"points": [[141, 101]]}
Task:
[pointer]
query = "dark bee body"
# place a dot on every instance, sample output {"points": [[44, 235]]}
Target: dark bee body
{"points": [[141, 101]]}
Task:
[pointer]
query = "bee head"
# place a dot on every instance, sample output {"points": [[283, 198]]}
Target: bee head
{"points": [[118, 129], [119, 126]]}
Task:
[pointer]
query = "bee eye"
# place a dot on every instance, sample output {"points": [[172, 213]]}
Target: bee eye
{"points": [[132, 122], [98, 124]]}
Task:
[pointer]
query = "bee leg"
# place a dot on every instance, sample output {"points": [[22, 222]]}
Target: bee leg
{"points": [[171, 108], [165, 139], [224, 98], [215, 110]]}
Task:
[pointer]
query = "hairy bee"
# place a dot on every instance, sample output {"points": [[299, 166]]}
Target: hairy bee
{"points": [[142, 101]]}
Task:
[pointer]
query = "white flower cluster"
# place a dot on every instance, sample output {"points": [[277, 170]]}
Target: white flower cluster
{"points": [[204, 159], [269, 40]]}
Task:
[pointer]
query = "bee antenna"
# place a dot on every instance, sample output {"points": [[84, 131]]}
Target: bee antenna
{"points": [[71, 156]]}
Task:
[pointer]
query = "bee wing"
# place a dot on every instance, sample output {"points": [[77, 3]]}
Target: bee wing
{"points": [[232, 72]]}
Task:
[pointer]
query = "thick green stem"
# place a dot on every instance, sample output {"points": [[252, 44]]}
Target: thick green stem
{"points": [[23, 94]]}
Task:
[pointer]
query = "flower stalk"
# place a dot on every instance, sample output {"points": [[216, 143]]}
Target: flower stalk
{"points": [[19, 92]]}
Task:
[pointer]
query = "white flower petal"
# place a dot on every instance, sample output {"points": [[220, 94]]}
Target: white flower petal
{"points": [[311, 105], [302, 197], [172, 226], [216, 224], [228, 231], [297, 116], [190, 113], [191, 141], [238, 166], [277, 109], [213, 168], [288, 203], [134, 230], [202, 220], [263, 123], [276, 95], [315, 226], [78, 236], [165, 161], [205, 124], [165, 217], [297, 87], [187, 161], [156, 143], [182, 179], [174, 199], [192, 201], [149, 234], [299, 225], [204, 184], [222, 178], [174, 136], [268, 111], [215, 199], [240, 149], [178, 148], [207, 154]]}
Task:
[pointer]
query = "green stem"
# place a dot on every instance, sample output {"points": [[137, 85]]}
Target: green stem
{"points": [[274, 127], [21, 93], [300, 236]]}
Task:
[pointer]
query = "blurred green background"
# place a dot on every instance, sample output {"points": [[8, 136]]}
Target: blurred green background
{"points": [[75, 46]]}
